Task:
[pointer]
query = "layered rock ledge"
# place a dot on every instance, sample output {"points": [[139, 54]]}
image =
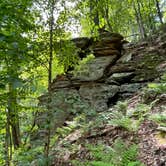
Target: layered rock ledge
{"points": [[113, 74], [117, 72]]}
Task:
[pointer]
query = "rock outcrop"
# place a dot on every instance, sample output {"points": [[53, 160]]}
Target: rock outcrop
{"points": [[114, 74]]}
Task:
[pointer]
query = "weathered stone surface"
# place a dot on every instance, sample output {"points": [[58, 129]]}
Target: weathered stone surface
{"points": [[61, 82], [110, 77], [125, 58], [108, 45], [106, 52], [98, 94], [95, 68], [131, 88], [145, 75], [141, 63], [82, 43], [120, 77], [122, 67], [107, 42], [113, 37], [61, 104]]}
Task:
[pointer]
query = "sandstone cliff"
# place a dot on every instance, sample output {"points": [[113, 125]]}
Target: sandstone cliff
{"points": [[116, 73]]}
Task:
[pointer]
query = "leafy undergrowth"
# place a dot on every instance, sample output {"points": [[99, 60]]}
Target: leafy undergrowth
{"points": [[131, 133], [119, 154]]}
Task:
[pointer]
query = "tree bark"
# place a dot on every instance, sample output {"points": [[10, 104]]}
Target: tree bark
{"points": [[159, 11], [51, 26], [107, 19], [13, 116], [139, 19], [151, 19], [106, 15], [8, 141], [94, 13]]}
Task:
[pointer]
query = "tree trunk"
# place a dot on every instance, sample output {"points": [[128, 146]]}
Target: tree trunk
{"points": [[94, 13], [149, 15], [139, 20], [13, 116], [51, 26], [8, 141], [152, 19], [159, 11], [51, 51], [106, 15]]}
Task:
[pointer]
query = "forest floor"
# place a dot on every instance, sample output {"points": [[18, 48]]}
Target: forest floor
{"points": [[149, 137], [152, 144], [145, 127]]}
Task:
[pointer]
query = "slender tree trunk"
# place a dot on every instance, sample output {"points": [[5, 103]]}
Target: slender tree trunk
{"points": [[47, 140], [151, 18], [159, 11], [48, 129], [51, 53], [94, 13], [11, 146], [13, 116], [8, 141], [142, 29], [106, 16], [96, 19], [139, 20], [51, 26], [7, 160]]}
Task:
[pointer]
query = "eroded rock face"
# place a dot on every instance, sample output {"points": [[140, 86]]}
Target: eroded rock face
{"points": [[141, 63], [110, 76], [98, 94], [95, 68]]}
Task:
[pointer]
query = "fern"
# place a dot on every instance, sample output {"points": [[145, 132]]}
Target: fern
{"points": [[117, 155], [136, 163], [129, 155], [121, 106], [120, 120], [100, 163], [124, 155], [159, 118]]}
